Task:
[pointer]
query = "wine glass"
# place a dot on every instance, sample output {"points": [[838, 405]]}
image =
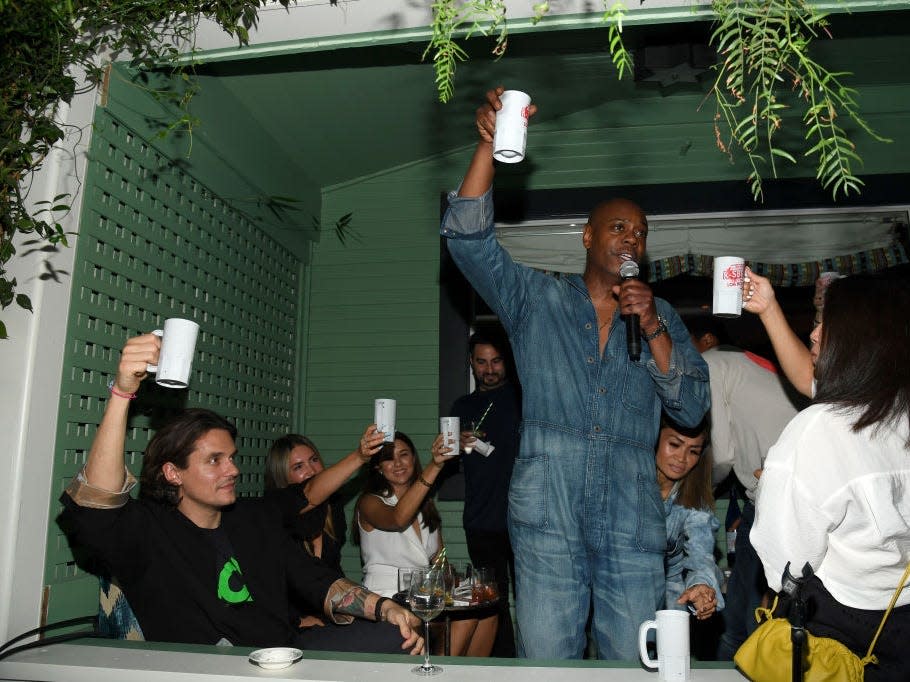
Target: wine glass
{"points": [[426, 597]]}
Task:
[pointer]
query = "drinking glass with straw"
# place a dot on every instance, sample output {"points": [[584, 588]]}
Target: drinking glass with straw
{"points": [[475, 426]]}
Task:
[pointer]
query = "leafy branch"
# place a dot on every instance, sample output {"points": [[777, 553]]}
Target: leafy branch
{"points": [[622, 58], [764, 70], [51, 50], [464, 18], [763, 46], [453, 17]]}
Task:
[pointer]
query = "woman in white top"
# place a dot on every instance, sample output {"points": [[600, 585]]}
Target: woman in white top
{"points": [[397, 526], [835, 491]]}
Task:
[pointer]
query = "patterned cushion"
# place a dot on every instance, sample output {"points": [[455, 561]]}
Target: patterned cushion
{"points": [[115, 617]]}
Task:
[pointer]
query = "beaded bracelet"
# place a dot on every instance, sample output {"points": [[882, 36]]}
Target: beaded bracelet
{"points": [[114, 391], [421, 479], [661, 329]]}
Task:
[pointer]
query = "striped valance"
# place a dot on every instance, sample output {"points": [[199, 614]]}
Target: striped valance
{"points": [[785, 275]]}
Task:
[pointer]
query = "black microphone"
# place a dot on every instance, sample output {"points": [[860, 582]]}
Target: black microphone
{"points": [[629, 270]]}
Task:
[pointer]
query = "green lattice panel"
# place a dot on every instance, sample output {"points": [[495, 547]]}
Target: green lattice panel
{"points": [[154, 243]]}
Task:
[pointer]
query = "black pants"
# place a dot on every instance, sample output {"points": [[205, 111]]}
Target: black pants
{"points": [[362, 636], [493, 550], [855, 628]]}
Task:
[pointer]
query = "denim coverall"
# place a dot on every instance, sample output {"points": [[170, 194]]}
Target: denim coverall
{"points": [[690, 551], [586, 519]]}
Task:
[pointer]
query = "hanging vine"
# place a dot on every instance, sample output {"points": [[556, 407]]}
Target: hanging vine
{"points": [[50, 50], [452, 19], [764, 72], [455, 20]]}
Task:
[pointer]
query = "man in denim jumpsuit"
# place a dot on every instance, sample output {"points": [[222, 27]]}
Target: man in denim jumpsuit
{"points": [[586, 518]]}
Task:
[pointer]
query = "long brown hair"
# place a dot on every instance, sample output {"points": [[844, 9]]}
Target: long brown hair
{"points": [[695, 488], [376, 484], [276, 475]]}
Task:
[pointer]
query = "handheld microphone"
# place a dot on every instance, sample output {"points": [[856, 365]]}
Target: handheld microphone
{"points": [[629, 270]]}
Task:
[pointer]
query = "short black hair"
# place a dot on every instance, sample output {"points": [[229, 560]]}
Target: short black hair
{"points": [[487, 337], [699, 325]]}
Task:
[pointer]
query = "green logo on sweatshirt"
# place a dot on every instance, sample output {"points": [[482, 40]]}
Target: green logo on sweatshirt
{"points": [[227, 591]]}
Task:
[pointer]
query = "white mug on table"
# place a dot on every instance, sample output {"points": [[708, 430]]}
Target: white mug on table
{"points": [[672, 628]]}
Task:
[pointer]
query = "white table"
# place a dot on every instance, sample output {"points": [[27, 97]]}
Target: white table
{"points": [[150, 662]]}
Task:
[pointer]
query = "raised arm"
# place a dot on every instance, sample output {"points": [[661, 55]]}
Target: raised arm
{"points": [[795, 359], [479, 177], [105, 466], [376, 514], [319, 488]]}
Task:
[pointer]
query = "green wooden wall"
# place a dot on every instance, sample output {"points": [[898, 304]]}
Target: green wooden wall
{"points": [[374, 323]]}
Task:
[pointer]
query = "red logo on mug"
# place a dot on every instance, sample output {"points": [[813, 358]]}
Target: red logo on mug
{"points": [[733, 275], [526, 113]]}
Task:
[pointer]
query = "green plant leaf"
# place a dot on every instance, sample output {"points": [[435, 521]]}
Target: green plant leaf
{"points": [[24, 301]]}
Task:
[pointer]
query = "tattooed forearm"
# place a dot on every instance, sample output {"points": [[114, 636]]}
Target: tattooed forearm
{"points": [[347, 598]]}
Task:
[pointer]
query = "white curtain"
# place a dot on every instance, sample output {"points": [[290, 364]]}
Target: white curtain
{"points": [[772, 237]]}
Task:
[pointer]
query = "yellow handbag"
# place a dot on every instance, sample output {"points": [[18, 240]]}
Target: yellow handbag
{"points": [[767, 654]]}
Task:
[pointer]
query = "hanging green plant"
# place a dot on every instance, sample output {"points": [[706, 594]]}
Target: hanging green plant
{"points": [[763, 56], [52, 49], [763, 49], [452, 18]]}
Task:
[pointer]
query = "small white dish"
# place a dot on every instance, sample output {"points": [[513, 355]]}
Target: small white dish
{"points": [[275, 658]]}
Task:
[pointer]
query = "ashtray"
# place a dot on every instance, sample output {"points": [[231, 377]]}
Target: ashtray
{"points": [[275, 658]]}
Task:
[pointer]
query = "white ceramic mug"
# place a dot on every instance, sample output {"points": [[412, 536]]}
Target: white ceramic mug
{"points": [[384, 417], [450, 428], [511, 127], [672, 632], [175, 360], [728, 286]]}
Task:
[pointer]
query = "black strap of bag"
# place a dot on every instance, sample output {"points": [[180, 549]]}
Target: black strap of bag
{"points": [[792, 587]]}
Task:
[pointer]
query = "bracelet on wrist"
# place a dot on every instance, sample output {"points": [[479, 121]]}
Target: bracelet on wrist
{"points": [[423, 481], [661, 329], [377, 611], [119, 394]]}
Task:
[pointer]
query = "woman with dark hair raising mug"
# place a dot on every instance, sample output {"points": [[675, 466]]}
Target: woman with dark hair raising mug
{"points": [[397, 525], [834, 491]]}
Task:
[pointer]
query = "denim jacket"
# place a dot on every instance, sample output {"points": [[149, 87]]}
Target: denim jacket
{"points": [[596, 415], [690, 551]]}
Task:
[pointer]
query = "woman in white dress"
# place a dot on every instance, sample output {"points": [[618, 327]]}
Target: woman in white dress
{"points": [[397, 526]]}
